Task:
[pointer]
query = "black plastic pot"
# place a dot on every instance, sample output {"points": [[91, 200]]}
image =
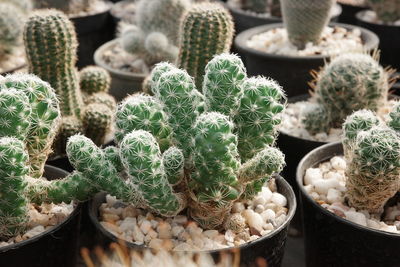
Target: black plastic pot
{"points": [[92, 31], [349, 12], [333, 241], [270, 247], [292, 72], [61, 162], [389, 36], [55, 247]]}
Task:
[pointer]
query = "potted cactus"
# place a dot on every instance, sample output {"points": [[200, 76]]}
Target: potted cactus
{"points": [[36, 224], [217, 158], [287, 52], [252, 13], [92, 20], [384, 20], [352, 200], [51, 44]]}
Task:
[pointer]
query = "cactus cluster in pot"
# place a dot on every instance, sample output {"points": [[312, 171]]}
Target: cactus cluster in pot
{"points": [[184, 149], [386, 10], [29, 121], [348, 83], [51, 44]]}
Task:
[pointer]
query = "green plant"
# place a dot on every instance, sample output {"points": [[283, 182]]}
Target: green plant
{"points": [[206, 30], [155, 34], [30, 116], [373, 156], [305, 20], [202, 166], [11, 27], [51, 46], [386, 10], [394, 115], [348, 83]]}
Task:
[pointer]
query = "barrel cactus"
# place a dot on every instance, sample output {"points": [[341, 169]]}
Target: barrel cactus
{"points": [[348, 83], [210, 159], [387, 11], [30, 117], [51, 46]]}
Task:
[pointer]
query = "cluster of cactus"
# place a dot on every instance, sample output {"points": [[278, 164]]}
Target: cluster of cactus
{"points": [[214, 24], [155, 35], [348, 83], [50, 43], [30, 116], [386, 10], [217, 147], [305, 20], [372, 150], [262, 6]]}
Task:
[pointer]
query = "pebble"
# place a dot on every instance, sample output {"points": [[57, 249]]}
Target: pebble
{"points": [[312, 175], [279, 199], [322, 186], [33, 232], [164, 230], [334, 195], [253, 219], [268, 215]]}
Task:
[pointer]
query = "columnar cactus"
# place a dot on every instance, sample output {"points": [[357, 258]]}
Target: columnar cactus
{"points": [[155, 34], [386, 10], [305, 19], [11, 28], [350, 82], [206, 30], [51, 44], [394, 115]]}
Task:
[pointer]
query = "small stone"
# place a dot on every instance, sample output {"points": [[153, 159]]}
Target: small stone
{"points": [[210, 233], [266, 194], [145, 226], [183, 247], [265, 232], [238, 207], [373, 224], [152, 233], [33, 232], [164, 230], [259, 200], [138, 236], [333, 196], [268, 226], [111, 227], [177, 230], [280, 220], [259, 208], [322, 186], [253, 219], [356, 217], [270, 206], [254, 237], [229, 236], [312, 175], [154, 223], [109, 217], [279, 199], [128, 224], [180, 219], [111, 200], [268, 215], [338, 163], [129, 211], [156, 243]]}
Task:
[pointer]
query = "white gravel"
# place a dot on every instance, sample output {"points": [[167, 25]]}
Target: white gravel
{"points": [[326, 184], [334, 40], [261, 216]]}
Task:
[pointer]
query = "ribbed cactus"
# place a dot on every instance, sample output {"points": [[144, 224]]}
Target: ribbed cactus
{"points": [[206, 30], [386, 10], [350, 82], [155, 34], [151, 81], [11, 28], [316, 119], [51, 44], [305, 19], [394, 115]]}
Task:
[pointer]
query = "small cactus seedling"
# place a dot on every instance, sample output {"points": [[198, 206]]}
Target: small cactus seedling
{"points": [[387, 11]]}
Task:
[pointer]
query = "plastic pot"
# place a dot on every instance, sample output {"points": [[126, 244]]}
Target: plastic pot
{"points": [[55, 247], [61, 162], [292, 72], [128, 17], [270, 247], [333, 241], [349, 12], [92, 31], [122, 83], [389, 36]]}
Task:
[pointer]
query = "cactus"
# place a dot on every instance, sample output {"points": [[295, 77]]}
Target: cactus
{"points": [[93, 79], [387, 11], [155, 34], [214, 25], [316, 119], [350, 82], [151, 81], [11, 27], [394, 115], [173, 161], [96, 121], [305, 20], [101, 98]]}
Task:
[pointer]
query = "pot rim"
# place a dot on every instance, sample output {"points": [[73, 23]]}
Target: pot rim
{"points": [[98, 60], [75, 212], [300, 178], [78, 16], [250, 14], [241, 39], [291, 200], [360, 17]]}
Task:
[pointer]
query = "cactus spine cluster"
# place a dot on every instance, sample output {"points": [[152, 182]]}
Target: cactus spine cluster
{"points": [[51, 46], [206, 30], [210, 159], [155, 34], [387, 10], [29, 121], [372, 151], [305, 19], [348, 83]]}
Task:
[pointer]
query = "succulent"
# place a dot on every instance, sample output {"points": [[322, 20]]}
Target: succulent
{"points": [[206, 30], [387, 10], [305, 20], [394, 115], [11, 28], [51, 46], [155, 34], [348, 83], [202, 167], [30, 116], [373, 154]]}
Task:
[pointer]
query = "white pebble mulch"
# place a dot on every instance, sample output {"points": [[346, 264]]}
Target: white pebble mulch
{"points": [[265, 213], [42, 218], [334, 41], [326, 184]]}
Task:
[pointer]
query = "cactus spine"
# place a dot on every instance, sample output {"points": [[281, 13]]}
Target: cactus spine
{"points": [[206, 30], [93, 79]]}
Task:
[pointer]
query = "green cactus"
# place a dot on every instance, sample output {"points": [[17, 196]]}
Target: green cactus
{"points": [[223, 84], [173, 162], [93, 79], [387, 11], [101, 98], [206, 30], [350, 82], [316, 119], [305, 20], [394, 115], [11, 28], [69, 126], [111, 153], [96, 121], [150, 82]]}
